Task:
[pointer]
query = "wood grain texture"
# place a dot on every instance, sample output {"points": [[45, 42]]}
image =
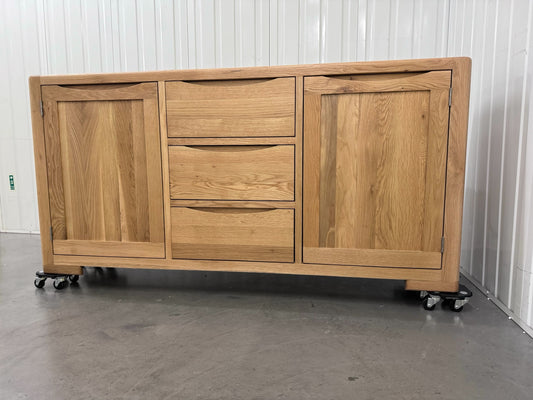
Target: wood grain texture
{"points": [[374, 257], [232, 172], [233, 234], [440, 285], [233, 204], [311, 174], [231, 108], [432, 276], [379, 83], [39, 150], [376, 166], [101, 92], [455, 177], [165, 168], [298, 211], [104, 167], [108, 248], [348, 68], [230, 141], [64, 269], [417, 278]]}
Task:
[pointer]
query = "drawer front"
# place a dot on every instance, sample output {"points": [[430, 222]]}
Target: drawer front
{"points": [[232, 172], [233, 108], [240, 234]]}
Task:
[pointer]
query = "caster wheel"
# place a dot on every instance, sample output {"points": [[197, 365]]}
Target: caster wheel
{"points": [[426, 305], [74, 278], [60, 284], [39, 283], [454, 307]]}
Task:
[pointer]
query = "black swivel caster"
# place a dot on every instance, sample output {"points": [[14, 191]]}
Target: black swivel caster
{"points": [[455, 301], [429, 304], [60, 283], [60, 280], [39, 282]]}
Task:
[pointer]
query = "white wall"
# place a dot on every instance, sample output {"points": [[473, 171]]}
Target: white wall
{"points": [[77, 36], [497, 240]]}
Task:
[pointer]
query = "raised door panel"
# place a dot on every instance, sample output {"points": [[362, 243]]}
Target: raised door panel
{"points": [[375, 165], [232, 172], [104, 170], [231, 108]]}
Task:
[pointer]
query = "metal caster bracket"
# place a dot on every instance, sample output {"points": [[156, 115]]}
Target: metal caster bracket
{"points": [[60, 280], [455, 300]]}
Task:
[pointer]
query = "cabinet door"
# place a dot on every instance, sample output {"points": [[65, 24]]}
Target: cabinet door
{"points": [[104, 170], [375, 151]]}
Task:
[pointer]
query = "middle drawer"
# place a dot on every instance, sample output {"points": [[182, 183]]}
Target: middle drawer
{"points": [[236, 172]]}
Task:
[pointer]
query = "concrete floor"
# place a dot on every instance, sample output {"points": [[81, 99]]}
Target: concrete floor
{"points": [[126, 334]]}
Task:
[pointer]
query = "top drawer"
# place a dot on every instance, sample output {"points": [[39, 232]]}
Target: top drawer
{"points": [[233, 108]]}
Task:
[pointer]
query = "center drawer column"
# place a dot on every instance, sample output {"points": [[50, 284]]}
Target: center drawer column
{"points": [[231, 162]]}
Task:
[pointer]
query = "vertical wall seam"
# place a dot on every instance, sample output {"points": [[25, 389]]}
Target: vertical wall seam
{"points": [[504, 134], [489, 145], [480, 133], [477, 150], [519, 161]]}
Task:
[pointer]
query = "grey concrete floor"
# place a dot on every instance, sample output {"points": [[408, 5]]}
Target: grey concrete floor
{"points": [[136, 334]]}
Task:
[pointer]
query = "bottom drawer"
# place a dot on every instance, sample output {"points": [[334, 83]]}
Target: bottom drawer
{"points": [[240, 234]]}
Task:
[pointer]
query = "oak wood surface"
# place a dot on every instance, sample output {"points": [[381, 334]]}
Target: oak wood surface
{"points": [[298, 212], [165, 169], [348, 68], [233, 234], [417, 278], [432, 276], [233, 204], [64, 269], [232, 172], [104, 166], [455, 177], [374, 257], [375, 166], [379, 83], [39, 150], [230, 141], [230, 108], [441, 285], [108, 248]]}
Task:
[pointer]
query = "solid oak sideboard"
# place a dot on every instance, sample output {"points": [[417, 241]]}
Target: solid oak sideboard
{"points": [[350, 169]]}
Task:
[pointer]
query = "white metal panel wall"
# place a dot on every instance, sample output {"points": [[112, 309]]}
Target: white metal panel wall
{"points": [[497, 236], [81, 36], [77, 36]]}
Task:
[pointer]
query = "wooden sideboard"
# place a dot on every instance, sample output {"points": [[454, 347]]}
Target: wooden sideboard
{"points": [[351, 169]]}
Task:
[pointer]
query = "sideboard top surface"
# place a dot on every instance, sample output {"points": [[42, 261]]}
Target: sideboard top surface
{"points": [[366, 67]]}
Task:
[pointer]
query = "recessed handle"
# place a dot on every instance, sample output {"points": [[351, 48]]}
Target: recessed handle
{"points": [[231, 82], [231, 210], [232, 148]]}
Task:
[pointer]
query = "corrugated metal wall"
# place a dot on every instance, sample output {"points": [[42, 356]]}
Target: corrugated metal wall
{"points": [[497, 240], [77, 36]]}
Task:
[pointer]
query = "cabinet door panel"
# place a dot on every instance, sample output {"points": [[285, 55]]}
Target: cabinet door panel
{"points": [[374, 173], [104, 170]]}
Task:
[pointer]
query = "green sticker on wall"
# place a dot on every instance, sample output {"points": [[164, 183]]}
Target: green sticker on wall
{"points": [[11, 182]]}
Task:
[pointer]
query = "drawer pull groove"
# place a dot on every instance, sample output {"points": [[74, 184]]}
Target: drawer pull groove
{"points": [[232, 148], [231, 210], [231, 82]]}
